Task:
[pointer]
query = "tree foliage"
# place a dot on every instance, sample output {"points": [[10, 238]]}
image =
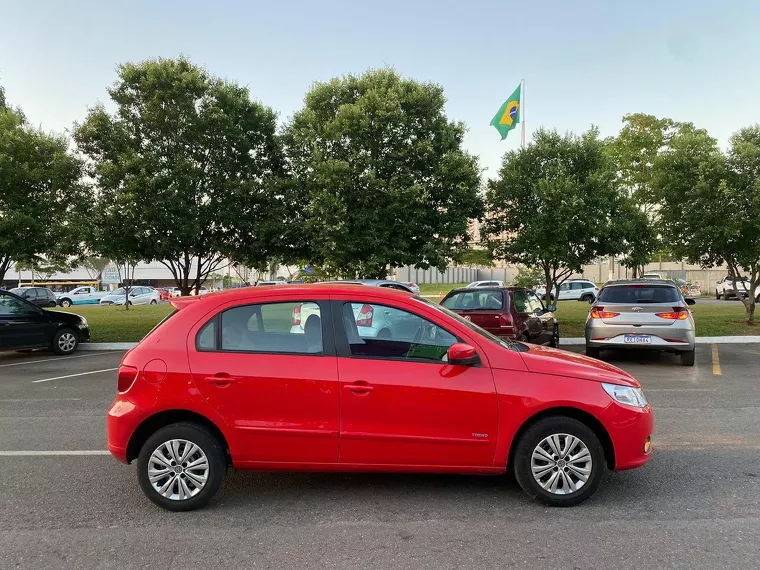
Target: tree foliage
{"points": [[529, 277], [642, 139], [41, 196], [713, 202], [555, 206], [385, 180], [192, 167]]}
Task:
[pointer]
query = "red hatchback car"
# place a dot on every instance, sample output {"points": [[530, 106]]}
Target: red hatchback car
{"points": [[290, 378], [515, 313]]}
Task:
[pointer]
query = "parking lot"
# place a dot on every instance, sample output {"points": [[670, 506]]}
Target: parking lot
{"points": [[65, 503]]}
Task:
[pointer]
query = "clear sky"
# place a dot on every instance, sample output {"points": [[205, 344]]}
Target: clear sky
{"points": [[584, 61]]}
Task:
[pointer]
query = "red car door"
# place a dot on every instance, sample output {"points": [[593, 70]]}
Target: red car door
{"points": [[402, 403], [272, 378]]}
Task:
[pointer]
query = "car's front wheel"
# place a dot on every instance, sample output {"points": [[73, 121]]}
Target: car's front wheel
{"points": [[181, 467], [65, 303], [559, 461], [65, 341], [153, 302]]}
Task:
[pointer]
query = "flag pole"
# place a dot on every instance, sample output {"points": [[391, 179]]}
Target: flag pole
{"points": [[522, 112]]}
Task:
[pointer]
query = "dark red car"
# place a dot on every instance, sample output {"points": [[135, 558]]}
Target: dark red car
{"points": [[514, 313], [291, 378]]}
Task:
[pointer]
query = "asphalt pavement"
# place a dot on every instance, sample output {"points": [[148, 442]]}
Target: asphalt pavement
{"points": [[65, 503]]}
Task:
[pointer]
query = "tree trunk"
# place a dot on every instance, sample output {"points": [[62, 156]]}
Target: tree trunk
{"points": [[549, 283]]}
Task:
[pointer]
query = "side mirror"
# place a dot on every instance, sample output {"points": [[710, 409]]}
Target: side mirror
{"points": [[539, 311], [691, 301], [461, 354], [551, 308]]}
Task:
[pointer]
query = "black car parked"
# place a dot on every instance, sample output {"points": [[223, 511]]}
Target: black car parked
{"points": [[23, 325], [40, 296]]}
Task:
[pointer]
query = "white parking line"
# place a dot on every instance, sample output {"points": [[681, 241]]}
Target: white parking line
{"points": [[74, 375], [54, 453], [62, 358]]}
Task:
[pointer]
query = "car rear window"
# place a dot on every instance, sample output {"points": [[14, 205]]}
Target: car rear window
{"points": [[474, 300], [639, 294]]}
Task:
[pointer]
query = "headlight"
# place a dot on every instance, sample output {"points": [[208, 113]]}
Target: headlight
{"points": [[626, 395]]}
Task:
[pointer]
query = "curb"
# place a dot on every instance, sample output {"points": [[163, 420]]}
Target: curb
{"points": [[570, 341], [94, 346]]}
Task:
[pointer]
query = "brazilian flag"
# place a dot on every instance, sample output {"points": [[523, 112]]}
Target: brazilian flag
{"points": [[508, 115]]}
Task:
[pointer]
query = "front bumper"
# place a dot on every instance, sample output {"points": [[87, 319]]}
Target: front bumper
{"points": [[630, 430]]}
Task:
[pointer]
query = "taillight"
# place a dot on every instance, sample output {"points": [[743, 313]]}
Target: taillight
{"points": [[505, 321], [365, 316], [677, 314], [125, 377], [295, 319], [600, 313]]}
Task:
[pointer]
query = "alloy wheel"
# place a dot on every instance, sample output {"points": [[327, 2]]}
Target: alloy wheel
{"points": [[178, 469], [561, 464], [67, 342]]}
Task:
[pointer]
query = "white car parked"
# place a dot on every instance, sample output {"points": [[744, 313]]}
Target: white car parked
{"points": [[573, 289], [724, 289], [372, 321], [491, 283], [137, 296], [80, 296]]}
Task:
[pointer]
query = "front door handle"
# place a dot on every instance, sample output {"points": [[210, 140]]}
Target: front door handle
{"points": [[358, 387], [220, 380]]}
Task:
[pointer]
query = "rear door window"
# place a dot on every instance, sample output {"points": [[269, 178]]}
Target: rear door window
{"points": [[475, 300], [638, 294]]}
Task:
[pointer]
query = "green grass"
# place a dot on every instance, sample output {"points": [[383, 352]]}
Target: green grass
{"points": [[115, 324], [439, 288]]}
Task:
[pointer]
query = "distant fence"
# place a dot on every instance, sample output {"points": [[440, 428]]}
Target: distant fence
{"points": [[455, 274]]}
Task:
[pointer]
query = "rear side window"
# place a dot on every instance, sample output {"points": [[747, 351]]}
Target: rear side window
{"points": [[287, 328], [475, 300], [637, 294], [522, 302]]}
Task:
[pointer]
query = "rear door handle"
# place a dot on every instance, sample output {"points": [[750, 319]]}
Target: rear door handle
{"points": [[359, 388], [221, 380]]}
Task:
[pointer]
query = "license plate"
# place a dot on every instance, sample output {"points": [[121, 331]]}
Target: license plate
{"points": [[638, 338]]}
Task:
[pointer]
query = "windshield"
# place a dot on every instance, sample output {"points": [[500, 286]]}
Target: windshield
{"points": [[638, 294], [119, 291], [17, 290], [509, 344]]}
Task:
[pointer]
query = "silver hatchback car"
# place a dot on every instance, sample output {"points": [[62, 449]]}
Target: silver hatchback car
{"points": [[641, 313]]}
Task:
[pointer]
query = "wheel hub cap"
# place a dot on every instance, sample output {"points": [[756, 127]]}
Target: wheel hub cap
{"points": [[561, 464], [66, 342], [178, 469]]}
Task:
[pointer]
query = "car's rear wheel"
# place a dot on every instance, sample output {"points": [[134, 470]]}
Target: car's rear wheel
{"points": [[587, 298], [52, 304], [559, 461], [65, 303], [181, 467], [65, 341], [153, 302], [687, 358]]}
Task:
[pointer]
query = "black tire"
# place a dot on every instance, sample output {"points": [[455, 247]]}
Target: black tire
{"points": [[586, 298], [52, 304], [542, 429], [207, 442], [687, 358], [129, 303], [717, 295], [65, 341], [384, 334], [153, 302], [554, 342], [65, 303], [592, 351]]}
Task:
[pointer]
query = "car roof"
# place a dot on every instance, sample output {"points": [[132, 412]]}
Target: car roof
{"points": [[295, 289], [640, 282], [489, 288]]}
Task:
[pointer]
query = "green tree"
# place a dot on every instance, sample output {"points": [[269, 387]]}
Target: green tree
{"points": [[713, 202], [193, 162], [554, 206], [40, 194], [385, 180], [642, 139], [529, 277], [480, 257]]}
